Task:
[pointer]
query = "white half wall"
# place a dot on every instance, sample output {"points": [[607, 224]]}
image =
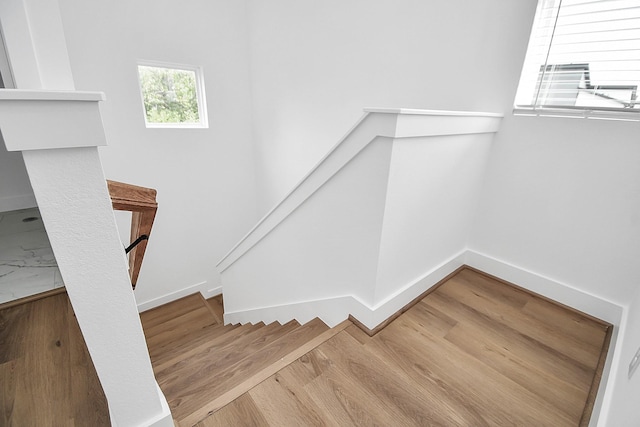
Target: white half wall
{"points": [[384, 216], [328, 247], [433, 191]]}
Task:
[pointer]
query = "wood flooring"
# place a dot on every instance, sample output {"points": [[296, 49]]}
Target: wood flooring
{"points": [[475, 352], [47, 377], [201, 364]]}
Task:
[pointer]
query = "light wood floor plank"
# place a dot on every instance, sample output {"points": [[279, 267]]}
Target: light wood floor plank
{"points": [[507, 335], [282, 404], [347, 403], [49, 379], [474, 352], [464, 384], [466, 293]]}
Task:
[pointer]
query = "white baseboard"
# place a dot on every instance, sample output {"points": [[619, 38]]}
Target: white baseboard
{"points": [[334, 310], [209, 293], [549, 288], [390, 305], [172, 296]]}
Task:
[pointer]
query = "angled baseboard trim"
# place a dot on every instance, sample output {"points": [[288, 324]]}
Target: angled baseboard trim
{"points": [[172, 296]]}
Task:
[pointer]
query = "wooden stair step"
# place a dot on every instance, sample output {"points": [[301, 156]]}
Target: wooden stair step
{"points": [[214, 360], [209, 350], [195, 399], [187, 343], [166, 334], [156, 316]]}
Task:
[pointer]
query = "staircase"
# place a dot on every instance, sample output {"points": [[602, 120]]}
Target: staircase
{"points": [[202, 364]]}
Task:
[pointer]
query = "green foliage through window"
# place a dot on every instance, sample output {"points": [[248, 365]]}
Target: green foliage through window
{"points": [[169, 95]]}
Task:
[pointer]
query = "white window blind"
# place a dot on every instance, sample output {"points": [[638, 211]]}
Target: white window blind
{"points": [[583, 59]]}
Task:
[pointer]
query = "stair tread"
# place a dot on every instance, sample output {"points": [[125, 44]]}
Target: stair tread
{"points": [[181, 346], [166, 334], [190, 395], [213, 359], [156, 316], [209, 349]]}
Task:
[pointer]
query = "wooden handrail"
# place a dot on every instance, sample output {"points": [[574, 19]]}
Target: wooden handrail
{"points": [[141, 202]]}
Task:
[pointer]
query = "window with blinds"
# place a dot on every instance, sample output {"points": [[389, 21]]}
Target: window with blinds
{"points": [[583, 60]]}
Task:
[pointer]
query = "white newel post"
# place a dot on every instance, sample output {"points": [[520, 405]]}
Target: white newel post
{"points": [[58, 130]]}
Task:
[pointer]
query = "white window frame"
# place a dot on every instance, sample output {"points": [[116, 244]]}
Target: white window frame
{"points": [[598, 113], [200, 95]]}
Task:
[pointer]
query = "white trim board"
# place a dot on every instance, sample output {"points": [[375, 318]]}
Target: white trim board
{"points": [[172, 296]]}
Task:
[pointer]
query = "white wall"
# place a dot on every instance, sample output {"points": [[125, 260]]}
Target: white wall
{"points": [[326, 248], [316, 64], [434, 184], [15, 190], [204, 177], [562, 198]]}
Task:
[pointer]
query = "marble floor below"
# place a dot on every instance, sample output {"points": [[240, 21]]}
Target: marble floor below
{"points": [[27, 264]]}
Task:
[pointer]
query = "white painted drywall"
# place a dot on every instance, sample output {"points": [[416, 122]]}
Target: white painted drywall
{"points": [[204, 177], [431, 200], [15, 190], [379, 220], [562, 198], [316, 64], [328, 247]]}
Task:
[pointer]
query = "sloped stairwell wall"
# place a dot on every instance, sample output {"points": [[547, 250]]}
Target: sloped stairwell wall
{"points": [[383, 217]]}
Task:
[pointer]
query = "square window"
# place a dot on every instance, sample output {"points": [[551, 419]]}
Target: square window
{"points": [[172, 95]]}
